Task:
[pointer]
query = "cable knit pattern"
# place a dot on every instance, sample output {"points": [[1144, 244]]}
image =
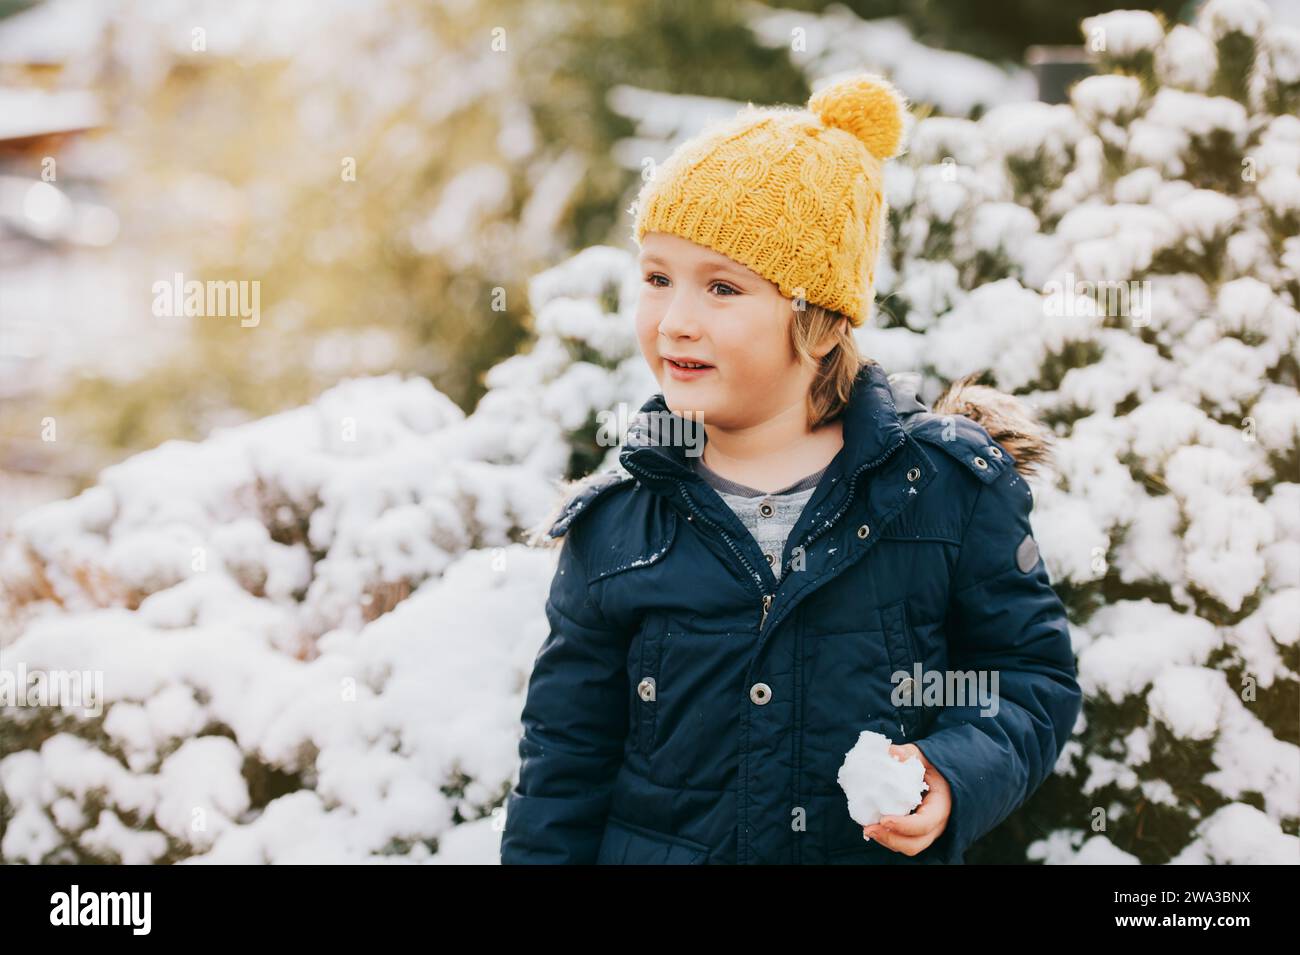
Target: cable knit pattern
{"points": [[796, 195]]}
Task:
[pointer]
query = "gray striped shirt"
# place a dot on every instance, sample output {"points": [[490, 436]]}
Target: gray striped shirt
{"points": [[768, 517]]}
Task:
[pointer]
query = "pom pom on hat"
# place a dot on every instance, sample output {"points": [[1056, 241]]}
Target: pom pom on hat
{"points": [[866, 105]]}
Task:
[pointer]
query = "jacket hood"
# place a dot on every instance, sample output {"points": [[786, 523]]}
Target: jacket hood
{"points": [[1008, 419], [879, 412]]}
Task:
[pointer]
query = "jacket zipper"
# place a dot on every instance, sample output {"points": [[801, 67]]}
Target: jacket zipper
{"points": [[767, 598], [757, 577], [848, 498]]}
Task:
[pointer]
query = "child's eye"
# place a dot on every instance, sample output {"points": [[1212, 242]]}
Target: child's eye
{"points": [[652, 279]]}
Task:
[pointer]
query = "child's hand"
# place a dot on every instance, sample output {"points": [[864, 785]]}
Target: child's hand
{"points": [[911, 833]]}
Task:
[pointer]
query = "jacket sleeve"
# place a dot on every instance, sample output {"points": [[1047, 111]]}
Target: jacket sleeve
{"points": [[1006, 619], [574, 727]]}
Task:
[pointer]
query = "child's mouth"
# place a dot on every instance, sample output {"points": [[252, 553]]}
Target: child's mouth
{"points": [[686, 371]]}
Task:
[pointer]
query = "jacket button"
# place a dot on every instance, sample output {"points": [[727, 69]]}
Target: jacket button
{"points": [[646, 689], [863, 531], [766, 509], [760, 693], [980, 463], [995, 451], [913, 474]]}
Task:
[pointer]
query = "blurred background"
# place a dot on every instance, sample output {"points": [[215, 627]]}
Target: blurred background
{"points": [[391, 173]]}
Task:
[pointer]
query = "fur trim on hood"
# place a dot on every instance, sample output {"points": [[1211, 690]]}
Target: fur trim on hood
{"points": [[539, 534], [1007, 419]]}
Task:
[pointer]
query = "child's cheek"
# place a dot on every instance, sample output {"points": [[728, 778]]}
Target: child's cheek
{"points": [[645, 333]]}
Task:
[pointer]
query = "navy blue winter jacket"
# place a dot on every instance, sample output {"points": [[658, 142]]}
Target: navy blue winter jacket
{"points": [[688, 708]]}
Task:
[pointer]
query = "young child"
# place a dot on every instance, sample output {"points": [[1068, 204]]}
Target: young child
{"points": [[724, 625]]}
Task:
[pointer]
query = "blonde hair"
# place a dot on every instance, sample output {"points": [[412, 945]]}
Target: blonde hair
{"points": [[830, 391]]}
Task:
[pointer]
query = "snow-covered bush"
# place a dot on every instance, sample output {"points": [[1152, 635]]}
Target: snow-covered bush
{"points": [[307, 638], [1128, 264]]}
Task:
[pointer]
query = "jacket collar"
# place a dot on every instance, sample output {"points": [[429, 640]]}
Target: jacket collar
{"points": [[657, 440]]}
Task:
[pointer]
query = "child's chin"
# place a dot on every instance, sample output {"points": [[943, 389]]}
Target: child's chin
{"points": [[690, 410], [692, 396]]}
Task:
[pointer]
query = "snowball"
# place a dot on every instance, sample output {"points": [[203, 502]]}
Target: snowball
{"points": [[876, 783]]}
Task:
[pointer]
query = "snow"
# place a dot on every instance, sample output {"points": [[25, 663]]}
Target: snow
{"points": [[1150, 547], [1004, 327], [1135, 642], [876, 783], [290, 595], [113, 838], [1163, 134], [1106, 96], [1239, 834], [1187, 59], [836, 40], [1062, 848], [379, 714], [30, 112], [1277, 620], [1221, 17], [1121, 34], [1277, 420], [467, 200], [55, 32], [1283, 43], [1249, 759], [1202, 214], [300, 584], [663, 121], [1280, 191], [830, 42], [937, 138], [1002, 226], [1115, 240], [1025, 130], [1189, 700]]}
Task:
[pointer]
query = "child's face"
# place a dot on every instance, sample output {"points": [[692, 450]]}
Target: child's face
{"points": [[701, 305]]}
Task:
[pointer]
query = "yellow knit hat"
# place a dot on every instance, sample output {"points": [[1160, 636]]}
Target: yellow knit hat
{"points": [[797, 195]]}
